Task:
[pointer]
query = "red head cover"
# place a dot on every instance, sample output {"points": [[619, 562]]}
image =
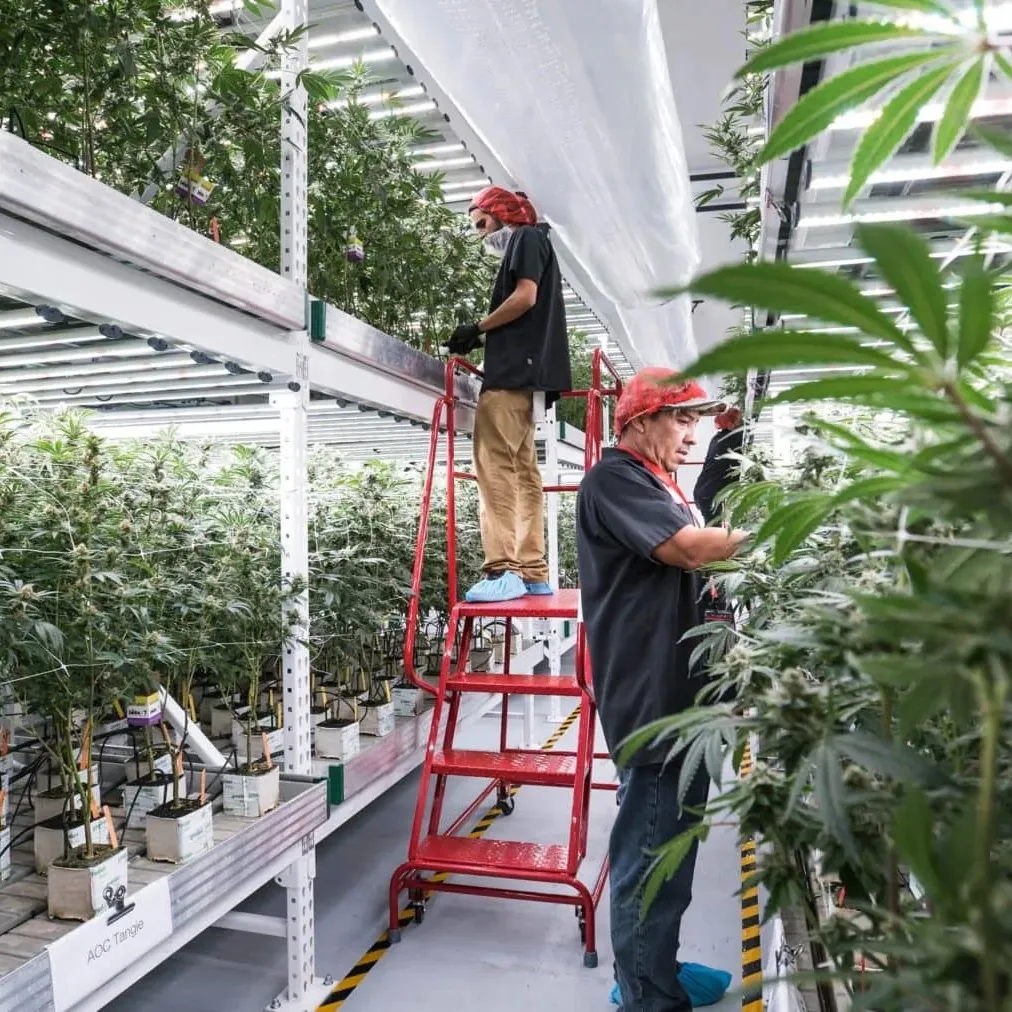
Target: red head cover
{"points": [[654, 388], [510, 208], [729, 419]]}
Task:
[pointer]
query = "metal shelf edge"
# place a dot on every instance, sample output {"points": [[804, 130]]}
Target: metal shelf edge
{"points": [[39, 188]]}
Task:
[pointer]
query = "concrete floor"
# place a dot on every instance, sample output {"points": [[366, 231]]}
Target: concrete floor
{"points": [[471, 952]]}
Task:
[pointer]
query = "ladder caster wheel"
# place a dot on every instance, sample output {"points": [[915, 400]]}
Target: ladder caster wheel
{"points": [[419, 912], [590, 960], [507, 804], [394, 936], [583, 931]]}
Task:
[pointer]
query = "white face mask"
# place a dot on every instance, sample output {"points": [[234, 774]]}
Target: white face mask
{"points": [[496, 242]]}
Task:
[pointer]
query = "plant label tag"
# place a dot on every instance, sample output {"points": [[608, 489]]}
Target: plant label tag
{"points": [[144, 710], [93, 953]]}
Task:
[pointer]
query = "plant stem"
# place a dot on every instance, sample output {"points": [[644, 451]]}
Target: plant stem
{"points": [[992, 706], [991, 448], [893, 871]]}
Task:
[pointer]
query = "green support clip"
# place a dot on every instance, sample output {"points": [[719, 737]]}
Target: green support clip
{"points": [[317, 320]]}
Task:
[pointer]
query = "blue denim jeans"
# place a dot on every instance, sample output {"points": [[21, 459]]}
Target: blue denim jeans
{"points": [[646, 947]]}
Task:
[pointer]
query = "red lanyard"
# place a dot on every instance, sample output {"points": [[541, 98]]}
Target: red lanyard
{"points": [[664, 477]]}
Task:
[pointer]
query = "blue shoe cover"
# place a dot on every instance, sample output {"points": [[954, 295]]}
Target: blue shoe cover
{"points": [[703, 984], [506, 587], [540, 589]]}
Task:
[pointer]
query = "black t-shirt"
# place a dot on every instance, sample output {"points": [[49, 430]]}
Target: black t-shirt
{"points": [[716, 473], [635, 609], [532, 352]]}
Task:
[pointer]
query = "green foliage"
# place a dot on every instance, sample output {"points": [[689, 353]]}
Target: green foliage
{"points": [[110, 87], [871, 670]]}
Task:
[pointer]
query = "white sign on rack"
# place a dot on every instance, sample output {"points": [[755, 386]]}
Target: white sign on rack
{"points": [[88, 957]]}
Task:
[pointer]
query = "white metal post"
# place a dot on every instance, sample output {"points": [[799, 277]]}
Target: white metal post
{"points": [[305, 991], [554, 626]]}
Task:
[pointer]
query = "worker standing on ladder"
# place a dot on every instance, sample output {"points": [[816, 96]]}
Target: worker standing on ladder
{"points": [[526, 368], [640, 545]]}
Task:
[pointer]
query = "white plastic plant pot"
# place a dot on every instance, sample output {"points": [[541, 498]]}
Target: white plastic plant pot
{"points": [[221, 721], [349, 707], [80, 889], [265, 722], [54, 801], [337, 739], [409, 701], [145, 794], [110, 724], [137, 769], [377, 719], [480, 658], [5, 853], [251, 795], [49, 839], [275, 743], [177, 834], [209, 700]]}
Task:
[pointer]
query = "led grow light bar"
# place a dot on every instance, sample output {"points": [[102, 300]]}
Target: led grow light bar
{"points": [[915, 173], [861, 119], [377, 97], [966, 209]]}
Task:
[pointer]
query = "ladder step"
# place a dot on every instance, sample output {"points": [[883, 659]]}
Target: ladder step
{"points": [[515, 767], [562, 604], [520, 685], [500, 858]]}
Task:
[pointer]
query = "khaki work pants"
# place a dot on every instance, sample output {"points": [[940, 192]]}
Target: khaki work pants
{"points": [[511, 497]]}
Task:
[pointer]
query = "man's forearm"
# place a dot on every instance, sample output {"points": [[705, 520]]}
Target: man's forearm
{"points": [[693, 547], [512, 309]]}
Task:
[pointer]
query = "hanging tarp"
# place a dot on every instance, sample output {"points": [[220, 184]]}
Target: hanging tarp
{"points": [[575, 101]]}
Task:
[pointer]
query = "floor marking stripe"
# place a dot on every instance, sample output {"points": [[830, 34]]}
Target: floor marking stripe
{"points": [[751, 942], [346, 987]]}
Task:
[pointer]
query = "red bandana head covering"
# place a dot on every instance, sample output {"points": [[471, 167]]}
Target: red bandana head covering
{"points": [[654, 388], [729, 419], [510, 208]]}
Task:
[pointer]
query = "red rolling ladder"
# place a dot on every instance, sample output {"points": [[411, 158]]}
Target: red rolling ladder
{"points": [[435, 853]]}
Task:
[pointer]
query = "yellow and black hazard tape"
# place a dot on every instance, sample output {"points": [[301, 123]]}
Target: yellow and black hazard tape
{"points": [[345, 988], [751, 946]]}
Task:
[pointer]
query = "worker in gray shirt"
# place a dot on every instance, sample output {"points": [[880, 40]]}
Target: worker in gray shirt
{"points": [[640, 545]]}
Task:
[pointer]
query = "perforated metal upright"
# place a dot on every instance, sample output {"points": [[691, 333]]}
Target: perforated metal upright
{"points": [[305, 990]]}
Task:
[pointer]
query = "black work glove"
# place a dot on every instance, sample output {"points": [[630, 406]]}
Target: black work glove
{"points": [[464, 339]]}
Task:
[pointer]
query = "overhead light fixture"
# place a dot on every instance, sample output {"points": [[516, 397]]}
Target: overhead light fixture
{"points": [[337, 38], [997, 18], [413, 109], [921, 213], [861, 119], [378, 97], [465, 184], [344, 62], [341, 62], [431, 150], [982, 167], [443, 163], [13, 319]]}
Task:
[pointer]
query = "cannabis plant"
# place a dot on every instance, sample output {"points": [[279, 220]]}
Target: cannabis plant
{"points": [[872, 665]]}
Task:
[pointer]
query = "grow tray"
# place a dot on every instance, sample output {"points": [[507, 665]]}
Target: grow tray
{"points": [[44, 964]]}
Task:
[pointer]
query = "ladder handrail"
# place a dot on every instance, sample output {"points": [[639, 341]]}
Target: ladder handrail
{"points": [[593, 440]]}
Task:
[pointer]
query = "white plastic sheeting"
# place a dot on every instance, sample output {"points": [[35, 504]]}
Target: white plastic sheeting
{"points": [[574, 99]]}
